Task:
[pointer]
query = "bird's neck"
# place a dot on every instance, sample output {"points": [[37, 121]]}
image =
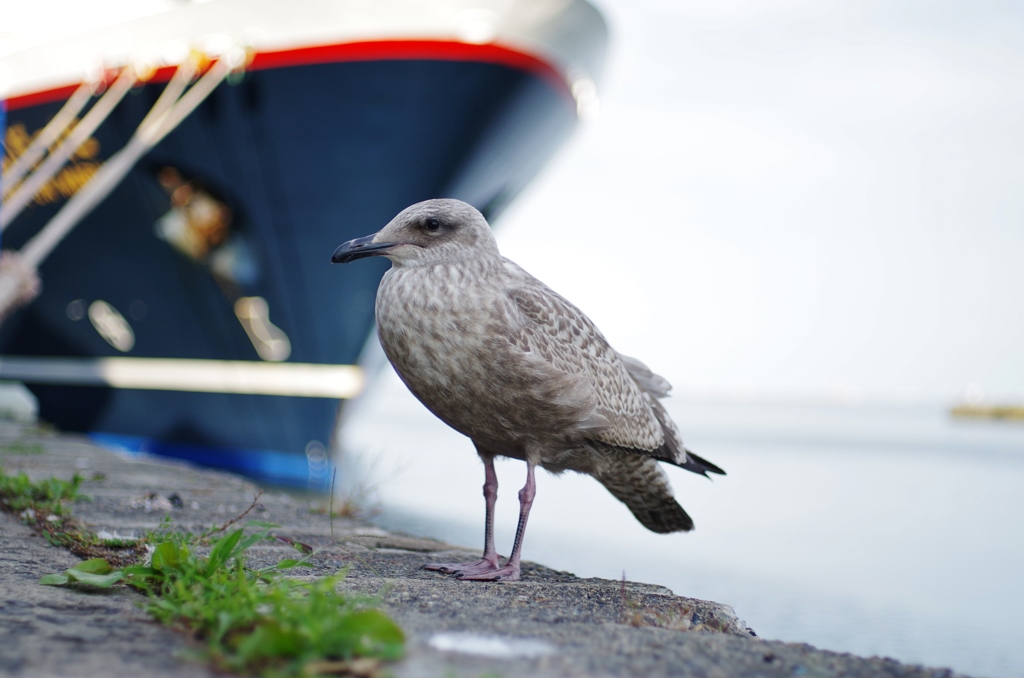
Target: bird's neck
{"points": [[475, 263]]}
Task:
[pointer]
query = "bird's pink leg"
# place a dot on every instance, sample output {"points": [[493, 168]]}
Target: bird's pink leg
{"points": [[510, 571], [489, 561]]}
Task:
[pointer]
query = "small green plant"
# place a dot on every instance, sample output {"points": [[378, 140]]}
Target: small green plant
{"points": [[18, 493], [43, 504], [93, 572], [251, 620], [21, 447]]}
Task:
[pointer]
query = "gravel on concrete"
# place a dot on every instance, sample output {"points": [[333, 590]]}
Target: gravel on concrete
{"points": [[548, 624]]}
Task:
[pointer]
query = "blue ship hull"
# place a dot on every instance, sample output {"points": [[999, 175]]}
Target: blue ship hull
{"points": [[304, 156]]}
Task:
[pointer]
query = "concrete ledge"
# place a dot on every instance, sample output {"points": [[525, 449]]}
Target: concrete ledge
{"points": [[549, 624]]}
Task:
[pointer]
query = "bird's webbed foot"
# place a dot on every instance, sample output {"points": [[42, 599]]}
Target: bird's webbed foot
{"points": [[506, 573], [482, 566]]}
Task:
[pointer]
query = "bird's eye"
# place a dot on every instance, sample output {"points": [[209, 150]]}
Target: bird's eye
{"points": [[432, 225]]}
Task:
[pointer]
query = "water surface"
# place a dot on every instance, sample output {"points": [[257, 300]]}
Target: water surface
{"points": [[890, 531]]}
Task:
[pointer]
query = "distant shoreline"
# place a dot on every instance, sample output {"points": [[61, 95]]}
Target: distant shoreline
{"points": [[1002, 412]]}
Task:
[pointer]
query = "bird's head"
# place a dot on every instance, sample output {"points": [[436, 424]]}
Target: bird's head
{"points": [[427, 233]]}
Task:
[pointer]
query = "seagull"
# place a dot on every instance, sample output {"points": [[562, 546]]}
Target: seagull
{"points": [[503, 359]]}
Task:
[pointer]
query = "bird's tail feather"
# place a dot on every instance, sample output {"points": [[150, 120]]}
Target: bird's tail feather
{"points": [[699, 465], [641, 484], [673, 451]]}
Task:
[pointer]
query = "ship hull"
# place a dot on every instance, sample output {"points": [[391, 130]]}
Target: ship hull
{"points": [[304, 152]]}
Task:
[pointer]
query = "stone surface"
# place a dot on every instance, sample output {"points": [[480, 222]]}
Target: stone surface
{"points": [[549, 624]]}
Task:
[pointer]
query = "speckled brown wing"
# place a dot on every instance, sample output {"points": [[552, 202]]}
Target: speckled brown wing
{"points": [[672, 450], [566, 339]]}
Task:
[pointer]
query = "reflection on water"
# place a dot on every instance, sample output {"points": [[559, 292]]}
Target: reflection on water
{"points": [[888, 531]]}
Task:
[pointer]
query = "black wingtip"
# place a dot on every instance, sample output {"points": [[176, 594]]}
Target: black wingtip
{"points": [[700, 465]]}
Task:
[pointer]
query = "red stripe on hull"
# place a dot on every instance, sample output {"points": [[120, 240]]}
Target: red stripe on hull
{"points": [[44, 97], [383, 50]]}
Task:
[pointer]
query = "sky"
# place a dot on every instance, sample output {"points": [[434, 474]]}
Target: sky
{"points": [[27, 24], [809, 200], [782, 199]]}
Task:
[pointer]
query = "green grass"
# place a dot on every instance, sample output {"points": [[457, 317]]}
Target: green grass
{"points": [[43, 504], [19, 493], [20, 447], [257, 621]]}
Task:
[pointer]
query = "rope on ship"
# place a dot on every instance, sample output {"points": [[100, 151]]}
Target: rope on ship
{"points": [[47, 136], [19, 282], [19, 196]]}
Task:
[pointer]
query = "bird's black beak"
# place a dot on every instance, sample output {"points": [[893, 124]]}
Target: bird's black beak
{"points": [[360, 248]]}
